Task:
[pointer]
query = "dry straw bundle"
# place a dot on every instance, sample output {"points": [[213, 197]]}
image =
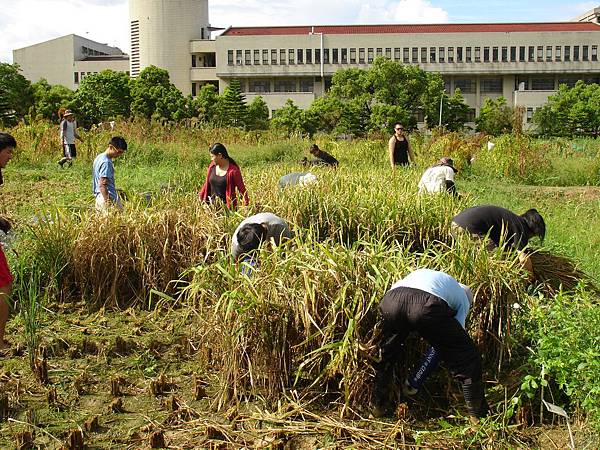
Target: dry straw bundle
{"points": [[556, 272]]}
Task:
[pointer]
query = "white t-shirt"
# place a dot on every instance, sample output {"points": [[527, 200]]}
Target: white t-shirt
{"points": [[276, 229], [434, 179], [67, 131]]}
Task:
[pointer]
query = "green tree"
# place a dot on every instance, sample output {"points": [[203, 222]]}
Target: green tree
{"points": [[292, 119], [495, 117], [17, 92], [154, 96], [455, 112], [258, 114], [103, 96], [48, 99], [231, 107], [7, 114], [206, 103]]}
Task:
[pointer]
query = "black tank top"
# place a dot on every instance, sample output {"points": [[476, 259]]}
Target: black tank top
{"points": [[218, 185], [400, 151]]}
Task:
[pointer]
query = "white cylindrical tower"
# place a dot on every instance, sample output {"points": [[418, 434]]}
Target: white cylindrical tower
{"points": [[161, 31]]}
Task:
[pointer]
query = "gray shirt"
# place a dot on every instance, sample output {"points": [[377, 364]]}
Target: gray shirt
{"points": [[276, 228]]}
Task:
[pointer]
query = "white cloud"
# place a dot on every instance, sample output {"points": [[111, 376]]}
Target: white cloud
{"points": [[419, 11]]}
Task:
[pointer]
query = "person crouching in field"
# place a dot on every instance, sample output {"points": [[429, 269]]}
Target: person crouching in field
{"points": [[252, 232], [224, 180], [7, 145], [68, 134], [103, 175], [496, 223], [435, 305], [439, 178], [296, 179], [321, 158]]}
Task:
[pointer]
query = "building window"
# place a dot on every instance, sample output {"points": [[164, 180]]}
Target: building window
{"points": [[450, 54], [477, 54], [415, 54], [361, 55], [557, 53], [521, 79], [230, 57], [531, 53], [486, 54], [265, 57], [307, 85], [247, 58], [504, 54], [379, 52], [466, 85], [495, 54], [569, 81], [283, 85], [325, 56], [291, 56], [238, 57], [352, 56], [317, 56], [370, 55], [576, 53], [335, 56], [397, 55], [193, 60], [491, 85], [274, 57], [521, 53], [259, 85], [468, 57], [423, 54], [300, 57], [447, 85], [542, 84], [193, 89], [459, 54], [76, 77], [567, 53], [513, 54], [548, 53], [405, 54], [529, 115], [441, 54], [594, 53], [388, 53], [282, 56], [344, 57], [256, 57], [309, 56], [540, 53], [431, 54], [585, 53]]}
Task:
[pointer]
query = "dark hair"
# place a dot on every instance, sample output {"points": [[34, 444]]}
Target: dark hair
{"points": [[219, 149], [399, 123], [6, 140], [250, 237], [118, 142], [314, 148], [535, 223]]}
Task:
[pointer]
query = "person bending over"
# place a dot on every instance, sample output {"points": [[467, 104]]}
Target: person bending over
{"points": [[439, 178], [256, 229], [434, 305], [321, 158], [296, 179]]}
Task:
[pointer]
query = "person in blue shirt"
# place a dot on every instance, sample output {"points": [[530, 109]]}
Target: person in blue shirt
{"points": [[435, 305], [103, 175]]}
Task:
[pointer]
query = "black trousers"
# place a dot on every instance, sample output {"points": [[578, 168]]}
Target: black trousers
{"points": [[406, 309]]}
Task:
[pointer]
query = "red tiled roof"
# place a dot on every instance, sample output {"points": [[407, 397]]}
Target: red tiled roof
{"points": [[414, 28]]}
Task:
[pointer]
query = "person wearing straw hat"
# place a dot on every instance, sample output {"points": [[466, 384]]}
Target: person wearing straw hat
{"points": [[435, 305], [7, 145], [439, 178], [68, 134]]}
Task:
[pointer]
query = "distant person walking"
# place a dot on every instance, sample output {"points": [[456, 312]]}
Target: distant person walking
{"points": [[224, 182], [439, 178], [399, 148], [321, 158], [7, 145], [68, 134], [103, 176]]}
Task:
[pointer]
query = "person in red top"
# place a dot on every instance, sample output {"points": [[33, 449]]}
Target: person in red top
{"points": [[223, 179], [7, 145]]}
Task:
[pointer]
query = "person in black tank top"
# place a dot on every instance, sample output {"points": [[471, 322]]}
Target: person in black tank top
{"points": [[218, 185], [399, 148]]}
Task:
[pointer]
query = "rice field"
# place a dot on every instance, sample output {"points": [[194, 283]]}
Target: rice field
{"points": [[138, 330]]}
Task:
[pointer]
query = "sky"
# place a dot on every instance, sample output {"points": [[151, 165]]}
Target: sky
{"points": [[27, 22]]}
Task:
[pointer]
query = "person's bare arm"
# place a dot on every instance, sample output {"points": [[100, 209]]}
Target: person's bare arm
{"points": [[104, 189], [411, 155], [391, 146]]}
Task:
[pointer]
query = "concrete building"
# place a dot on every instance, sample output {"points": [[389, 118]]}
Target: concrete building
{"points": [[68, 59]]}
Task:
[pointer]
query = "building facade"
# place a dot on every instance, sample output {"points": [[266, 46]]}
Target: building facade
{"points": [[68, 59]]}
